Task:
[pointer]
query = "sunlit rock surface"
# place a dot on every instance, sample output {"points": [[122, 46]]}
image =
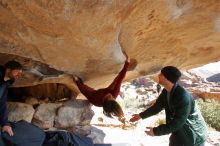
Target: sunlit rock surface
{"points": [[55, 39]]}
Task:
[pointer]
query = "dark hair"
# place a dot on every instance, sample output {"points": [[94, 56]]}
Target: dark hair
{"points": [[13, 65], [112, 108], [171, 73]]}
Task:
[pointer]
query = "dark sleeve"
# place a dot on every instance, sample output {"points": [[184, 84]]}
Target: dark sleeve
{"points": [[156, 108], [181, 111], [3, 105]]}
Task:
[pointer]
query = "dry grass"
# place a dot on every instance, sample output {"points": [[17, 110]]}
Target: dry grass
{"points": [[211, 112]]}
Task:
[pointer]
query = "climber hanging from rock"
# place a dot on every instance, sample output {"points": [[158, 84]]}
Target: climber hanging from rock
{"points": [[106, 97]]}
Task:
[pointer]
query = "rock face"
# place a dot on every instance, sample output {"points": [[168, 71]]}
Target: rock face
{"points": [[45, 115], [55, 38], [73, 113], [51, 91], [20, 111]]}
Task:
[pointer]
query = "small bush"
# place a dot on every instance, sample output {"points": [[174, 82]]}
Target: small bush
{"points": [[210, 110]]}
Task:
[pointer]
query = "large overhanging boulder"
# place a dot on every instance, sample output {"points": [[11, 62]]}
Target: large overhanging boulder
{"points": [[56, 39]]}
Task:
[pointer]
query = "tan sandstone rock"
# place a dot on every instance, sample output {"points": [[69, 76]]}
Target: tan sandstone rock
{"points": [[55, 38]]}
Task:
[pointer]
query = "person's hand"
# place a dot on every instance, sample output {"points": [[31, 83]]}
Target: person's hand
{"points": [[128, 59], [126, 56], [8, 129], [122, 119], [75, 78], [135, 118], [149, 131]]}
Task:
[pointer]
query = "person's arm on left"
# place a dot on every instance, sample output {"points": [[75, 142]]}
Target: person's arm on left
{"points": [[3, 112]]}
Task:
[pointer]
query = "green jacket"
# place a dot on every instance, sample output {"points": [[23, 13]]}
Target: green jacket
{"points": [[182, 116]]}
